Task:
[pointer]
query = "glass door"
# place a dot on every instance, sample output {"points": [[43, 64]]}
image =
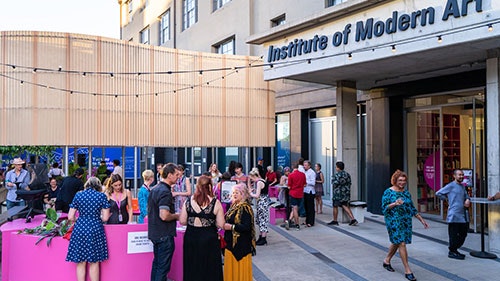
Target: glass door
{"points": [[424, 144], [323, 149], [476, 184]]}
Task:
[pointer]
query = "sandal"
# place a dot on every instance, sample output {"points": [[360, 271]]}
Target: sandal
{"points": [[388, 267], [410, 277]]}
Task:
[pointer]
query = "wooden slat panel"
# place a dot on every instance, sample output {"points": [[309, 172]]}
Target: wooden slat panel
{"points": [[170, 110]]}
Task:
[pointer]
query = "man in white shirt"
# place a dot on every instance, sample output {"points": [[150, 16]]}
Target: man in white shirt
{"points": [[309, 193], [117, 169]]}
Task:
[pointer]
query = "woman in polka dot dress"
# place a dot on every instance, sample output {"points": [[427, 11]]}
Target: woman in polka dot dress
{"points": [[88, 240]]}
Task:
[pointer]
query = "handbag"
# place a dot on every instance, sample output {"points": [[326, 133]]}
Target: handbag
{"points": [[67, 235], [221, 241]]}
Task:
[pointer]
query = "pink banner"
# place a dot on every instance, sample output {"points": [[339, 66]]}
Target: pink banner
{"points": [[432, 170]]}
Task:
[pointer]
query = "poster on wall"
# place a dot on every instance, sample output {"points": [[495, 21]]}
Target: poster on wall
{"points": [[432, 170]]}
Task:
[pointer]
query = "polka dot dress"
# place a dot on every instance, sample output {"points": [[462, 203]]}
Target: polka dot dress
{"points": [[88, 240]]}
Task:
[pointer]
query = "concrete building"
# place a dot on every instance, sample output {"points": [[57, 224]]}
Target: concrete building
{"points": [[380, 85]]}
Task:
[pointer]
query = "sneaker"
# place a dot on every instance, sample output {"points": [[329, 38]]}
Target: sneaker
{"points": [[353, 222], [297, 227], [333, 223], [455, 255], [287, 225], [460, 254]]}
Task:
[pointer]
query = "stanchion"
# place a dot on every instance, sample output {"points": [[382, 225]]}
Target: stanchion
{"points": [[482, 254]]}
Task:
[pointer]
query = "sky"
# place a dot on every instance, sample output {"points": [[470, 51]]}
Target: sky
{"points": [[93, 17]]}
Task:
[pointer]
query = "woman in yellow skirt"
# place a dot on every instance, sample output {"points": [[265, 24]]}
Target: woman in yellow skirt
{"points": [[240, 237]]}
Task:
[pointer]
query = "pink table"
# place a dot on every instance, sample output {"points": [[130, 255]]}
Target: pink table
{"points": [[23, 260]]}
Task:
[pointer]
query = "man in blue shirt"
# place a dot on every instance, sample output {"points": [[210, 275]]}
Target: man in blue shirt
{"points": [[457, 218]]}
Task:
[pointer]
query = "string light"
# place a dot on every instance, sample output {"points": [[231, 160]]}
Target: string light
{"points": [[234, 68]]}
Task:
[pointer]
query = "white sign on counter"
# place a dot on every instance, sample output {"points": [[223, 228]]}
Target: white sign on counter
{"points": [[138, 242]]}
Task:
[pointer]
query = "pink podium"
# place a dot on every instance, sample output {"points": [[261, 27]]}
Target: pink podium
{"points": [[129, 256]]}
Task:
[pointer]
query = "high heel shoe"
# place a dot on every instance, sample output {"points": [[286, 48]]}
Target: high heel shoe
{"points": [[261, 242], [388, 267], [258, 240], [410, 277]]}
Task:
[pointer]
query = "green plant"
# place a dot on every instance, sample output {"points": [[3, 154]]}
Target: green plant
{"points": [[49, 228]]}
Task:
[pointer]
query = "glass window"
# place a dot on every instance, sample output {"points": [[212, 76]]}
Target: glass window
{"points": [[165, 27], [219, 3], [145, 35], [278, 21], [330, 3], [190, 11], [226, 47]]}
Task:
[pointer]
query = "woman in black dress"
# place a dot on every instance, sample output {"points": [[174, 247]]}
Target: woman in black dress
{"points": [[202, 213], [120, 200]]}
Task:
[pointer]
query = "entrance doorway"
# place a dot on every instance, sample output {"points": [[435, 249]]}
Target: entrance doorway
{"points": [[443, 133]]}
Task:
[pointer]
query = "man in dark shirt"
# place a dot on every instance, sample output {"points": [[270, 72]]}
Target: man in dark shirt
{"points": [[260, 166], [69, 187], [162, 222]]}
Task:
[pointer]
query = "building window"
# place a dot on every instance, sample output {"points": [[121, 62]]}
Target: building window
{"points": [[130, 6], [278, 20], [189, 12], [225, 47], [165, 27], [219, 3], [330, 3], [145, 35]]}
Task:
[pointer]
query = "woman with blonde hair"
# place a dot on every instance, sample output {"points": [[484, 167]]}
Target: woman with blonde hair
{"points": [[120, 200], [260, 191], [142, 197], [240, 236]]}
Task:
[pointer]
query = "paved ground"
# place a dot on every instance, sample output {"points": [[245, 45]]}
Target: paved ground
{"points": [[346, 252]]}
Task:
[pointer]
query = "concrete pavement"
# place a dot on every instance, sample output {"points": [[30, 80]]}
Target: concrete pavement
{"points": [[344, 252]]}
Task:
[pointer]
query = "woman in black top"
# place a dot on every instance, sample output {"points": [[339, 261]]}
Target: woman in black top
{"points": [[203, 214], [239, 236]]}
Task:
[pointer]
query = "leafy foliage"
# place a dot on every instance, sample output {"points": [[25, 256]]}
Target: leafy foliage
{"points": [[49, 228], [15, 151]]}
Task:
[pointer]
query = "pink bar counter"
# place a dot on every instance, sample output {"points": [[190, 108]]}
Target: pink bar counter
{"points": [[23, 260]]}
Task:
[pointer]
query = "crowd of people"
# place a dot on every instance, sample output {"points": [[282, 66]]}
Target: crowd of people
{"points": [[167, 197]]}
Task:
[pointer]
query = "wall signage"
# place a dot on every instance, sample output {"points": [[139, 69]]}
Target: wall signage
{"points": [[369, 28]]}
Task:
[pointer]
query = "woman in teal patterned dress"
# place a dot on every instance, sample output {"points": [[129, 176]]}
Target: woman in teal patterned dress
{"points": [[398, 210]]}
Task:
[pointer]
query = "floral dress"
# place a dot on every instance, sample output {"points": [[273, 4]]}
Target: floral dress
{"points": [[398, 220], [88, 240]]}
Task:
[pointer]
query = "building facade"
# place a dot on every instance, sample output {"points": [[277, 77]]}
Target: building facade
{"points": [[223, 26], [380, 85]]}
